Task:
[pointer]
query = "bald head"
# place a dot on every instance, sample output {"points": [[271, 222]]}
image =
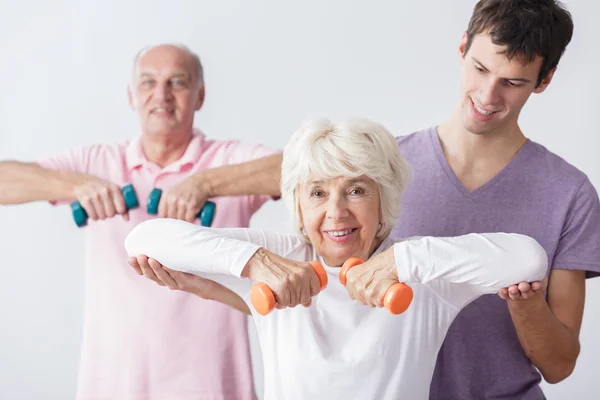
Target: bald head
{"points": [[166, 89], [190, 60]]}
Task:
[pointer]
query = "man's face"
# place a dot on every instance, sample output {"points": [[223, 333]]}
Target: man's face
{"points": [[494, 89], [164, 92]]}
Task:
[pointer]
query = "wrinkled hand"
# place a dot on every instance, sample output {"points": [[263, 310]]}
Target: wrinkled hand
{"points": [[524, 290], [184, 200], [174, 280], [101, 199], [292, 282], [368, 282]]}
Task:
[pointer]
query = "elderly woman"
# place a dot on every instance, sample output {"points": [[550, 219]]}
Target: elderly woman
{"points": [[342, 182]]}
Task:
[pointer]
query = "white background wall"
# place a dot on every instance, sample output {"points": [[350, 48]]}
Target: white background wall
{"points": [[63, 74]]}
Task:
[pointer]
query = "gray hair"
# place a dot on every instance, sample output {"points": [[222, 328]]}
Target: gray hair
{"points": [[350, 148], [195, 58]]}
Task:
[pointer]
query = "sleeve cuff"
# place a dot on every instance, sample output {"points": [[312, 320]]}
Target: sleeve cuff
{"points": [[242, 259], [403, 262]]}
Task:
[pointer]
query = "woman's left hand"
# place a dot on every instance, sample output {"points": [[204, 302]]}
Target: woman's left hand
{"points": [[368, 282]]}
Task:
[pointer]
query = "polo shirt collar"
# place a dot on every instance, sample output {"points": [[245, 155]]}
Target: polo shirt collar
{"points": [[135, 157]]}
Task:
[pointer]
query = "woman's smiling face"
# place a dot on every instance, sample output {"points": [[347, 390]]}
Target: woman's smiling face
{"points": [[341, 217]]}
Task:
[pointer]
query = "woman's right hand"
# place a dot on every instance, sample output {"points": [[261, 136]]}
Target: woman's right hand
{"points": [[175, 280], [292, 282]]}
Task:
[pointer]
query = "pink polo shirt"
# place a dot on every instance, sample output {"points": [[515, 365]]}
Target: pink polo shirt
{"points": [[146, 342]]}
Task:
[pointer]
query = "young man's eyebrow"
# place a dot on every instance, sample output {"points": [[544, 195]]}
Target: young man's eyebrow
{"points": [[480, 64]]}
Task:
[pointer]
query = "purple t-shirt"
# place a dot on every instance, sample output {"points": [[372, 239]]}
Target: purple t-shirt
{"points": [[537, 194]]}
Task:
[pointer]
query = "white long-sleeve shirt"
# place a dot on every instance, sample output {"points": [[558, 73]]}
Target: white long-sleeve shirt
{"points": [[337, 348]]}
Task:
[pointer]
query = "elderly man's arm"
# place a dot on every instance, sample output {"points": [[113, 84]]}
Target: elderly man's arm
{"points": [[257, 177], [22, 182], [549, 330]]}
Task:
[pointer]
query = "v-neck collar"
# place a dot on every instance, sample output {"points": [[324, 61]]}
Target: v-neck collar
{"points": [[516, 160]]}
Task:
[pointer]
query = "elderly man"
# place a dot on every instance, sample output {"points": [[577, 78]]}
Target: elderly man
{"points": [[141, 341]]}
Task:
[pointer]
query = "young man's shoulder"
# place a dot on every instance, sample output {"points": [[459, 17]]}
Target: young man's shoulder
{"points": [[416, 138], [541, 160], [545, 162]]}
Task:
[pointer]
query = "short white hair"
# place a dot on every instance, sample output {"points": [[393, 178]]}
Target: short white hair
{"points": [[325, 149], [198, 69]]}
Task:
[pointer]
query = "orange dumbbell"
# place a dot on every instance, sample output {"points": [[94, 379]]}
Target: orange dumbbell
{"points": [[262, 296], [397, 298]]}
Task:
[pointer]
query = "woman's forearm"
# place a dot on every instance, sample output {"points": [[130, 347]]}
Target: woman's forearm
{"points": [[186, 247], [489, 261], [228, 297]]}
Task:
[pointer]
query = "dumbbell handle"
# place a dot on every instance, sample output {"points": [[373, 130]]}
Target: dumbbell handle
{"points": [[206, 214], [262, 296], [80, 216], [396, 299]]}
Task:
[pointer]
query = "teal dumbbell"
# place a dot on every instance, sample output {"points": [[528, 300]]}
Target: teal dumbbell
{"points": [[81, 216], [206, 215]]}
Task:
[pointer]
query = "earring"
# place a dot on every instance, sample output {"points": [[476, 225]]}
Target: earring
{"points": [[379, 227], [303, 232]]}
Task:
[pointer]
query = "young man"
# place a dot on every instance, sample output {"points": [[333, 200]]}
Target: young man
{"points": [[128, 350], [478, 172]]}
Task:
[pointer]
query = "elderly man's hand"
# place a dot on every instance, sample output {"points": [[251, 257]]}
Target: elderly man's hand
{"points": [[184, 200], [174, 280], [524, 290], [292, 282], [368, 282], [100, 198]]}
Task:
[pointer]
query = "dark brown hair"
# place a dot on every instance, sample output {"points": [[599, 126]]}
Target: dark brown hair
{"points": [[528, 28]]}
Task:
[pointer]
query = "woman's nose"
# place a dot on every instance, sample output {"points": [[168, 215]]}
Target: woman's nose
{"points": [[337, 208]]}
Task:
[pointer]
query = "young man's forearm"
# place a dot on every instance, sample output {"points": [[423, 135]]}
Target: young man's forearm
{"points": [[26, 182], [550, 346], [258, 177]]}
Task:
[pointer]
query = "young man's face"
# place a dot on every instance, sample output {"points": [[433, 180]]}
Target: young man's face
{"points": [[494, 89]]}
